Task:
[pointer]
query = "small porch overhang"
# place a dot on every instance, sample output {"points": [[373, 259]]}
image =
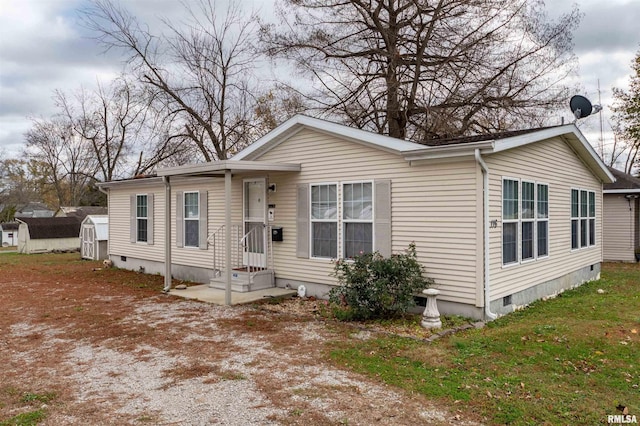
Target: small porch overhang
{"points": [[219, 168], [226, 169]]}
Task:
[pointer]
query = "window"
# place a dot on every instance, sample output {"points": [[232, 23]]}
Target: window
{"points": [[324, 221], [592, 218], [191, 219], [525, 221], [583, 218], [575, 219], [509, 221], [528, 220], [142, 217], [357, 217], [542, 216]]}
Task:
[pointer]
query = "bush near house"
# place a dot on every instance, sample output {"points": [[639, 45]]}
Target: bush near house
{"points": [[374, 287]]}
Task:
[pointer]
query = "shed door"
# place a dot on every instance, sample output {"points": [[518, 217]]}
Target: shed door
{"points": [[88, 241]]}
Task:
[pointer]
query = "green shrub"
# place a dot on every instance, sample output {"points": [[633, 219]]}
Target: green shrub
{"points": [[372, 286]]}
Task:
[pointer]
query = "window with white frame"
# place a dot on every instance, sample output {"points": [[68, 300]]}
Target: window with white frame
{"points": [[583, 218], [525, 221], [324, 221], [510, 216], [142, 218], [542, 219], [357, 218], [191, 219]]}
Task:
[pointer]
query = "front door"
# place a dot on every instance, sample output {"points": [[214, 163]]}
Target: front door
{"points": [[88, 241], [254, 223]]}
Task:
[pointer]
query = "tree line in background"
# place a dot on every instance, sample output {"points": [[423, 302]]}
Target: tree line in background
{"points": [[197, 89]]}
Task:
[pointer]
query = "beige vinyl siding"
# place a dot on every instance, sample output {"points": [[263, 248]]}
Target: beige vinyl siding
{"points": [[119, 223], [619, 217], [434, 205], [551, 162]]}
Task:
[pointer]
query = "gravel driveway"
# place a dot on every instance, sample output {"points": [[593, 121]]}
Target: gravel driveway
{"points": [[116, 354]]}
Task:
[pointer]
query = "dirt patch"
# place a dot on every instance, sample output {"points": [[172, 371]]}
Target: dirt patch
{"points": [[113, 350]]}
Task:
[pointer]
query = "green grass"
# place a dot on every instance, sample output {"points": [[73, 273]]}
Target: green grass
{"points": [[30, 399], [31, 418], [570, 360]]}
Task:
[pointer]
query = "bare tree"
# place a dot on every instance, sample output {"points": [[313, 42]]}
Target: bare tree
{"points": [[124, 133], [626, 117], [427, 68], [200, 71], [62, 161]]}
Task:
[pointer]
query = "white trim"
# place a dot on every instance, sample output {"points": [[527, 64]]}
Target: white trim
{"points": [[343, 221], [336, 221], [621, 191], [140, 217], [185, 219]]}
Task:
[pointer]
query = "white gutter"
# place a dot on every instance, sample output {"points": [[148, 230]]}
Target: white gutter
{"points": [[485, 234], [167, 232]]}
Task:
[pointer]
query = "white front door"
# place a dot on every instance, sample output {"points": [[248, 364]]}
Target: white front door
{"points": [[254, 222]]}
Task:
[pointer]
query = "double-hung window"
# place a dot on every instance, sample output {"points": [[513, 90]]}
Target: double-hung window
{"points": [[142, 218], [191, 219], [357, 218], [525, 221], [324, 221], [542, 219], [583, 218]]}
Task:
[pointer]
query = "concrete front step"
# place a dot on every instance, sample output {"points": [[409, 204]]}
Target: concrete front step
{"points": [[240, 281]]}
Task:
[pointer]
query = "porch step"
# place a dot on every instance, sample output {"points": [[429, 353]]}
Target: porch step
{"points": [[240, 281]]}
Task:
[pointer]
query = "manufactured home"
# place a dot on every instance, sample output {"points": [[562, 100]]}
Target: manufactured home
{"points": [[622, 218], [498, 220]]}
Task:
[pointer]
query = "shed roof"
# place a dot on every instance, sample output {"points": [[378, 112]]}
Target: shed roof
{"points": [[41, 228], [9, 226], [101, 223], [625, 183]]}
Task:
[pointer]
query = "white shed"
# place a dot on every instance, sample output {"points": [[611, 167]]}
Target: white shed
{"points": [[94, 236]]}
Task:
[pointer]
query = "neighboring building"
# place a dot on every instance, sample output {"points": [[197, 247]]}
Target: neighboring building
{"points": [[33, 210], [41, 235], [94, 236], [621, 218], [8, 234], [498, 221], [80, 212]]}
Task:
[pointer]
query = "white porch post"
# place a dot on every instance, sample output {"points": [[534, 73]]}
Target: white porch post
{"points": [[227, 236], [167, 234]]}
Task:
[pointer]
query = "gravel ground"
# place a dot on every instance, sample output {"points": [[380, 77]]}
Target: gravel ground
{"points": [[115, 355]]}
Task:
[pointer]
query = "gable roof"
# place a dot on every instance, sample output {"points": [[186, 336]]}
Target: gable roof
{"points": [[41, 228], [80, 211], [101, 225], [435, 149], [624, 184]]}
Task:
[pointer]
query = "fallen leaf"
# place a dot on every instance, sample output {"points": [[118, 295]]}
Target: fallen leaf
{"points": [[522, 385], [634, 331], [624, 343], [489, 394]]}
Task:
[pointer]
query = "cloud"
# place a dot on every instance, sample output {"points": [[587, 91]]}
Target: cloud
{"points": [[609, 27]]}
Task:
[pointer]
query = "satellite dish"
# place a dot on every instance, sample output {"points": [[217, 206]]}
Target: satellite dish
{"points": [[581, 107]]}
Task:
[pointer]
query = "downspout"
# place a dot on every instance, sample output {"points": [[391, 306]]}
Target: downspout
{"points": [[485, 235], [167, 234]]}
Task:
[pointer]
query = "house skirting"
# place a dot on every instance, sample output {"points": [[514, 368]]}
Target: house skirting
{"points": [[547, 289], [501, 306], [179, 272], [498, 306]]}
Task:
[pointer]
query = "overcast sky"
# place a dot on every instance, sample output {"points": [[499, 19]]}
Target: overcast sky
{"points": [[43, 48]]}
